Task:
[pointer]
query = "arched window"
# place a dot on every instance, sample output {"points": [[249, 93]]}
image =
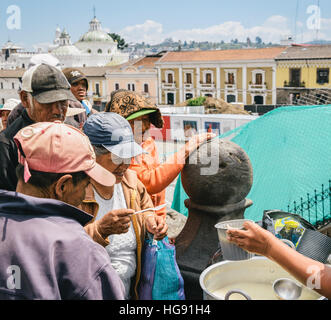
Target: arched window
{"points": [[99, 51]]}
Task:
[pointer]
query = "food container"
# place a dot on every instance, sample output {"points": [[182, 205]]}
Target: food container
{"points": [[231, 251], [253, 278]]}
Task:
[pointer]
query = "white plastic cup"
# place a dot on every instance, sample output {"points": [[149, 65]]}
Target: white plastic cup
{"points": [[231, 251]]}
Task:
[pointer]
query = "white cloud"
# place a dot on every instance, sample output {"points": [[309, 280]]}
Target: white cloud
{"points": [[149, 32]]}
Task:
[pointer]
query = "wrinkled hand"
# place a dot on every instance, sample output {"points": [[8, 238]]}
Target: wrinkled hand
{"points": [[254, 239], [156, 225], [196, 141], [115, 222]]}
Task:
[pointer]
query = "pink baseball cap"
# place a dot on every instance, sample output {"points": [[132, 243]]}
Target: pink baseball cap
{"points": [[58, 148]]}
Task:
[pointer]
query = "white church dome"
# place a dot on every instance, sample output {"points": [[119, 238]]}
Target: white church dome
{"points": [[96, 34]]}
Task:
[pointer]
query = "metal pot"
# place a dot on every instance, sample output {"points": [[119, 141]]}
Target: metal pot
{"points": [[252, 279]]}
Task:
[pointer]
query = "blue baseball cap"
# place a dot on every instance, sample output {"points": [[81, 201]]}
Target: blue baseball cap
{"points": [[114, 133]]}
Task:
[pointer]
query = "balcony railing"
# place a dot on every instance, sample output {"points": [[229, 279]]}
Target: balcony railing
{"points": [[204, 85], [166, 85], [257, 87], [294, 84], [188, 85], [230, 86]]}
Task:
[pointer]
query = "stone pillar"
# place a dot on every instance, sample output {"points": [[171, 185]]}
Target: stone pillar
{"points": [[213, 198]]}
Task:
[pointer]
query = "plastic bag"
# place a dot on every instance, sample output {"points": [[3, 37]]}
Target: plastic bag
{"points": [[160, 276], [285, 225]]}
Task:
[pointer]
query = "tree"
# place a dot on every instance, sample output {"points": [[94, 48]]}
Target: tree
{"points": [[120, 41], [258, 40]]}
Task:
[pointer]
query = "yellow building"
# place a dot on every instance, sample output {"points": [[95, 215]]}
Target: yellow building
{"points": [[98, 93], [245, 76], [303, 75]]}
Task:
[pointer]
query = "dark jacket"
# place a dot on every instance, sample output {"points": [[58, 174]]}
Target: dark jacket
{"points": [[44, 247], [8, 152]]}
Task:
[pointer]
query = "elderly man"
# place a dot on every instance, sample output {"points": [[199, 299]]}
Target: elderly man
{"points": [[45, 252], [45, 96], [121, 232], [43, 58]]}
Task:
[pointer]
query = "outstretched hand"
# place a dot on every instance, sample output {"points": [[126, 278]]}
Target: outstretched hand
{"points": [[254, 239], [196, 141]]}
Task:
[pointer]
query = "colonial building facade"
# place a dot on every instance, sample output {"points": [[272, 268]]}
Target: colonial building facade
{"points": [[247, 76], [303, 75], [139, 75]]}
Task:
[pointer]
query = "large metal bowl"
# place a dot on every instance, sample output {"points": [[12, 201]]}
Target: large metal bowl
{"points": [[220, 278]]}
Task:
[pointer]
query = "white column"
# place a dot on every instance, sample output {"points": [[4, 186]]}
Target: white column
{"points": [[244, 84], [218, 83], [198, 82], [274, 86], [181, 85], [159, 84]]}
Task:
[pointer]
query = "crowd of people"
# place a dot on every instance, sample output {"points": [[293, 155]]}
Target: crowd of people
{"points": [[67, 166], [72, 180]]}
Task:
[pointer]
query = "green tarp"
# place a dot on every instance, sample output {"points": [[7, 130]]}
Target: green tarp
{"points": [[290, 150]]}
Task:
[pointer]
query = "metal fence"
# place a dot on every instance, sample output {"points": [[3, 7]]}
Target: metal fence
{"points": [[315, 208]]}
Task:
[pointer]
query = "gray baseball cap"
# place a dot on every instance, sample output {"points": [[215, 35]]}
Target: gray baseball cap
{"points": [[47, 84]]}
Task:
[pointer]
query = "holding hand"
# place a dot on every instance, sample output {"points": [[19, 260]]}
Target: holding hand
{"points": [[156, 225], [115, 222], [254, 239]]}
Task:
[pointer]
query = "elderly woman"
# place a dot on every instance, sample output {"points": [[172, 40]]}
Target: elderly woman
{"points": [[115, 225], [141, 113]]}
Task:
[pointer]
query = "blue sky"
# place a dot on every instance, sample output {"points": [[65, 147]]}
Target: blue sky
{"points": [[153, 21]]}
